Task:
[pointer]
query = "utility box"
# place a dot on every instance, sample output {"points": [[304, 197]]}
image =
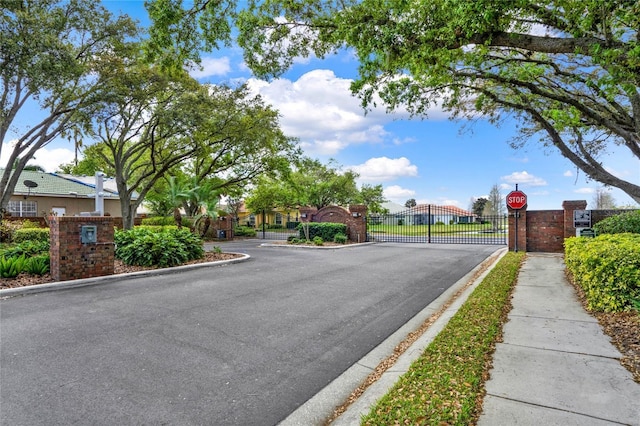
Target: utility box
{"points": [[88, 234]]}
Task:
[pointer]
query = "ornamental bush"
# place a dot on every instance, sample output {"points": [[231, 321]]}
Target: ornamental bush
{"points": [[244, 231], [325, 230], [163, 246], [30, 234], [607, 268], [340, 238], [618, 224], [27, 248], [11, 267]]}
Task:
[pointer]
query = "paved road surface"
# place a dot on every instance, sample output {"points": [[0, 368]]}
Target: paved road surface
{"points": [[243, 344]]}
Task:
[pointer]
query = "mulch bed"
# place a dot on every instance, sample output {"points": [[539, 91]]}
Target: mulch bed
{"points": [[24, 279]]}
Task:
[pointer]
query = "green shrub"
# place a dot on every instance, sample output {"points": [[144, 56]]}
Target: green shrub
{"points": [[158, 221], [29, 224], [244, 231], [340, 238], [159, 228], [6, 233], [164, 246], [619, 224], [187, 222], [11, 267], [38, 265], [607, 268], [325, 230], [31, 234], [26, 248], [317, 240]]}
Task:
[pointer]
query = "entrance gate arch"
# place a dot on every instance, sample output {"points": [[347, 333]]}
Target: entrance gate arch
{"points": [[354, 217]]}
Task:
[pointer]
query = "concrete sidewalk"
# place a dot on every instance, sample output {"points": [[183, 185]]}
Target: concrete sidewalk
{"points": [[555, 365]]}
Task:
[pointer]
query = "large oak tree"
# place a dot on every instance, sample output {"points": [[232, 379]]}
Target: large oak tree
{"points": [[568, 71], [51, 53]]}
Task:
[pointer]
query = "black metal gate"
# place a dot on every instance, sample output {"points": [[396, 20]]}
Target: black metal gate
{"points": [[439, 225]]}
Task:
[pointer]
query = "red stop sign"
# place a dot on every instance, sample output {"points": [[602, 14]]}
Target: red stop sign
{"points": [[516, 200]]}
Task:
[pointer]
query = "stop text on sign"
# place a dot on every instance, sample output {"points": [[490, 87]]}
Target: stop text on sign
{"points": [[516, 200]]}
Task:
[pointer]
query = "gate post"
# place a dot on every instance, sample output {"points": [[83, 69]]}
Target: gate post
{"points": [[569, 207], [518, 237]]}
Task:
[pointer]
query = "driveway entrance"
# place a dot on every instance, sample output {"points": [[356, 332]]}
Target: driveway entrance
{"points": [[244, 344]]}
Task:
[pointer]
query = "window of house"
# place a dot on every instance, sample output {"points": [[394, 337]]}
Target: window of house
{"points": [[23, 208], [252, 220], [278, 219]]}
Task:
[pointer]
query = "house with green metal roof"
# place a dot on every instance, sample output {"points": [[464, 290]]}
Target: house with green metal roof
{"points": [[42, 194]]}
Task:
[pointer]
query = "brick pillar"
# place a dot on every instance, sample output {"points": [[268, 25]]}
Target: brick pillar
{"points": [[307, 213], [357, 223], [71, 258], [224, 223], [569, 207], [521, 231]]}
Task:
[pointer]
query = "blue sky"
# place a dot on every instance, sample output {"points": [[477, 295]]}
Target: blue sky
{"points": [[434, 160]]}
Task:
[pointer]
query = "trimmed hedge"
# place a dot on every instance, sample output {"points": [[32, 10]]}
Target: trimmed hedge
{"points": [[30, 234], [619, 224], [244, 231], [162, 246], [325, 230], [187, 222], [607, 268]]}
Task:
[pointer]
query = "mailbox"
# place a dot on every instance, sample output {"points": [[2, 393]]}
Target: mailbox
{"points": [[88, 234]]}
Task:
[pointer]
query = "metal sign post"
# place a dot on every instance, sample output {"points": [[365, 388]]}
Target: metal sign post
{"points": [[516, 200]]}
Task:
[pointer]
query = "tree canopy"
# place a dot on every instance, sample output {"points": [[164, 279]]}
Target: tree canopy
{"points": [[312, 183], [567, 71], [50, 54]]}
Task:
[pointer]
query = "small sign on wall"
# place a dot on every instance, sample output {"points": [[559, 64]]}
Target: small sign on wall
{"points": [[582, 218]]}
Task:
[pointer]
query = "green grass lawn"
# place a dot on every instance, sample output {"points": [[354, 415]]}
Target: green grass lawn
{"points": [[470, 229], [445, 385]]}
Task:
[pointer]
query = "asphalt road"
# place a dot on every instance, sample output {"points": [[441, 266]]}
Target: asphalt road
{"points": [[243, 344]]}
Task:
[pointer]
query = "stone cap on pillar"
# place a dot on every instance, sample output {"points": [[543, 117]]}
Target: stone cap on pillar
{"points": [[574, 204]]}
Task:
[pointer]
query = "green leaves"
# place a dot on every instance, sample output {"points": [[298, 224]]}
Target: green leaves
{"points": [[607, 268], [161, 246], [10, 267]]}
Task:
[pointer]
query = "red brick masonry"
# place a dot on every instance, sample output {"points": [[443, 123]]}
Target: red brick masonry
{"points": [[70, 258]]}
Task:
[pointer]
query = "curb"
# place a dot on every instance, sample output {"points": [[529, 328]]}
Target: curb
{"points": [[84, 282], [294, 246], [320, 407]]}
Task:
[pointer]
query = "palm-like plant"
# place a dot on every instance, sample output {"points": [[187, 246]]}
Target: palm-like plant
{"points": [[177, 195]]}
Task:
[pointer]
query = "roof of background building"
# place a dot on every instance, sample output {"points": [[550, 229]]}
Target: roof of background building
{"points": [[53, 185]]}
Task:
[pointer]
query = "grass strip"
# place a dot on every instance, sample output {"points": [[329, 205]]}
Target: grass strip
{"points": [[446, 384]]}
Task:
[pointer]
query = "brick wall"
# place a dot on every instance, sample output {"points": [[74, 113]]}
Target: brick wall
{"points": [[354, 218], [70, 258], [545, 231]]}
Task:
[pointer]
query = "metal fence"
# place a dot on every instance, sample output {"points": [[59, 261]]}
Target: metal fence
{"points": [[438, 225], [277, 232]]}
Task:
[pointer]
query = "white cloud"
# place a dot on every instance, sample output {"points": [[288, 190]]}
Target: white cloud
{"points": [[383, 169], [440, 201], [48, 159], [210, 67], [398, 194], [524, 178], [568, 173], [585, 191], [321, 111]]}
